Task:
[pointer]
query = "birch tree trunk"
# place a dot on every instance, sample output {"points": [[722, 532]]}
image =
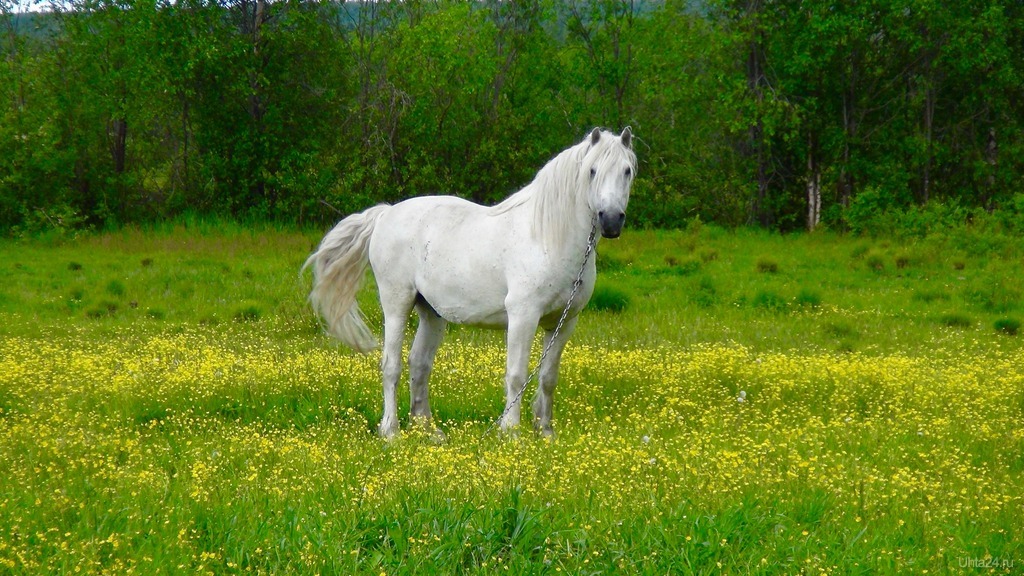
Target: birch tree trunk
{"points": [[813, 186]]}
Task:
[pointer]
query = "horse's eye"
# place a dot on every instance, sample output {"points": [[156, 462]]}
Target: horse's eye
{"points": [[593, 172], [629, 171]]}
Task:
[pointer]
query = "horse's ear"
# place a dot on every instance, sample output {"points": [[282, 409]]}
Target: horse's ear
{"points": [[627, 137], [595, 136]]}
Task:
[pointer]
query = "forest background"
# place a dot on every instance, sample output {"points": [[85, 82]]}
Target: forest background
{"points": [[873, 116]]}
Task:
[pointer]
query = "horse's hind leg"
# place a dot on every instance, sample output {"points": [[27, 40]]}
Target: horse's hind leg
{"points": [[421, 361], [397, 304], [548, 376]]}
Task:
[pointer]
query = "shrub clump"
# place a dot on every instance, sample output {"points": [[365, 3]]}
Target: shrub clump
{"points": [[956, 320], [766, 265], [770, 301], [104, 308], [247, 312], [874, 261], [609, 263], [115, 288], [808, 298], [608, 299], [1008, 326], [930, 295], [683, 267], [840, 329], [705, 295], [708, 255]]}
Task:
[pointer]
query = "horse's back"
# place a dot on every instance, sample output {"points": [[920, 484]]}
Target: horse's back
{"points": [[420, 219], [447, 250]]}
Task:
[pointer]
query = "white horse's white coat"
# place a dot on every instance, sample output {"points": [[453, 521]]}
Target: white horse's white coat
{"points": [[510, 266]]}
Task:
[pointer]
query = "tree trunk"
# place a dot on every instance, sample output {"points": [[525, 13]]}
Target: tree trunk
{"points": [[992, 159], [120, 147], [929, 122], [755, 83], [813, 185], [846, 183], [257, 105]]}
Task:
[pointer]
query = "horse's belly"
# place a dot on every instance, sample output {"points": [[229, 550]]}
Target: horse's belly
{"points": [[461, 299], [483, 319]]}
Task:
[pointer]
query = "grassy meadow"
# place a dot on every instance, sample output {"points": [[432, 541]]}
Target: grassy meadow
{"points": [[733, 402]]}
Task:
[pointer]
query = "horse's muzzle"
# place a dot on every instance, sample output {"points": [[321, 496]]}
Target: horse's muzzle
{"points": [[611, 223]]}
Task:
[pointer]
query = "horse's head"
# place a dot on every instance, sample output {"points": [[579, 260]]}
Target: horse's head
{"points": [[610, 166]]}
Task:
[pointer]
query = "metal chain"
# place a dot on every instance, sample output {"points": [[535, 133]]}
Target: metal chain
{"points": [[591, 243]]}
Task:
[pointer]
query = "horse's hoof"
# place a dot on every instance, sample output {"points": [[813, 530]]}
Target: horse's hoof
{"points": [[509, 432], [388, 430], [433, 433], [437, 436]]}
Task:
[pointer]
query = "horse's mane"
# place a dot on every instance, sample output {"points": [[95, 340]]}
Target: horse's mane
{"points": [[557, 189]]}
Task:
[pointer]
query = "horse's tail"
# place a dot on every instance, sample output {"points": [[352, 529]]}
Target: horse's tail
{"points": [[339, 266]]}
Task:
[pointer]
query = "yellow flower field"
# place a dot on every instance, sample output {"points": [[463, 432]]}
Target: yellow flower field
{"points": [[217, 451]]}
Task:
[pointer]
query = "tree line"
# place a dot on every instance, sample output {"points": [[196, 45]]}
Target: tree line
{"points": [[781, 113]]}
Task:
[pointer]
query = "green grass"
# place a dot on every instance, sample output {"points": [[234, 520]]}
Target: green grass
{"points": [[168, 403]]}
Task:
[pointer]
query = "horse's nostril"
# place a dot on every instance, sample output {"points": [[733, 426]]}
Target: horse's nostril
{"points": [[600, 214], [622, 216]]}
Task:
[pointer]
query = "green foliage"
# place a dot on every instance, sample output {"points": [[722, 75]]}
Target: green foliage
{"points": [[1008, 326], [115, 288], [767, 265], [875, 261], [247, 312], [808, 298], [113, 113], [956, 320], [608, 299], [770, 301], [705, 294], [902, 260]]}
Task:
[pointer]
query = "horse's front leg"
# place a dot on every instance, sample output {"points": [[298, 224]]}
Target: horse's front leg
{"points": [[548, 378], [521, 328]]}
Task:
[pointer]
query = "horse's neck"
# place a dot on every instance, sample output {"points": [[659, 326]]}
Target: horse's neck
{"points": [[562, 218], [575, 224]]}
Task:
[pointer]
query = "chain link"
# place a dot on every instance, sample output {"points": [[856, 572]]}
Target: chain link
{"points": [[591, 243]]}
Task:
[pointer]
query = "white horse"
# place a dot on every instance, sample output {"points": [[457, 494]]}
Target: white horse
{"points": [[510, 266]]}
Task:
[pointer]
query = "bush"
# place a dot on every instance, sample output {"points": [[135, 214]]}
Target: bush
{"points": [[115, 288], [609, 263], [608, 299], [705, 294], [956, 320], [684, 267], [247, 312], [766, 265], [840, 329], [1008, 326], [808, 298], [708, 255], [104, 308], [770, 301], [930, 295], [872, 211], [875, 261]]}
